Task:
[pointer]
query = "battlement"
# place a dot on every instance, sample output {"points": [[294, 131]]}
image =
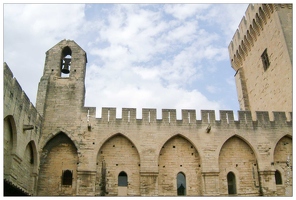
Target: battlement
{"points": [[16, 95], [250, 27], [149, 116]]}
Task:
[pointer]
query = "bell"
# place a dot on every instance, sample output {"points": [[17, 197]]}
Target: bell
{"points": [[65, 68]]}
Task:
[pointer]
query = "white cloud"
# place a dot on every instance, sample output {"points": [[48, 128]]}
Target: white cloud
{"points": [[138, 55], [183, 11]]}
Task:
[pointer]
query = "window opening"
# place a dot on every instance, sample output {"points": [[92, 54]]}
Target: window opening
{"points": [[122, 179], [31, 154], [67, 177], [231, 183], [278, 178], [66, 62], [181, 184], [265, 60]]}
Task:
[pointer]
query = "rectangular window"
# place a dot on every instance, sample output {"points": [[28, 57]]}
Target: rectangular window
{"points": [[265, 60]]}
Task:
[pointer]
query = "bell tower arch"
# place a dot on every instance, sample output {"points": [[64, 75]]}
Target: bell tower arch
{"points": [[62, 86]]}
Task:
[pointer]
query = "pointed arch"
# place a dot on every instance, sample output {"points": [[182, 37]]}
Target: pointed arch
{"points": [[31, 155], [58, 155], [179, 154], [236, 154], [219, 148], [9, 143], [175, 135], [30, 164], [100, 145], [116, 155], [57, 132]]}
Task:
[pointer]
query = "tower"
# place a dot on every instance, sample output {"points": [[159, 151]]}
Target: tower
{"points": [[60, 99], [261, 53], [62, 87]]}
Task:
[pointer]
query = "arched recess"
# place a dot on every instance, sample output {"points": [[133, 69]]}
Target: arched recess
{"points": [[58, 155], [30, 164], [283, 162], [178, 154], [66, 61], [237, 156], [117, 154], [9, 143]]}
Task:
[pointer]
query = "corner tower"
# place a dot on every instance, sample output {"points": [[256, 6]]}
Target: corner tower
{"points": [[61, 90], [261, 53]]}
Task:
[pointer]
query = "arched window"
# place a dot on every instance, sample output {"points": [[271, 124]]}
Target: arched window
{"points": [[67, 177], [231, 183], [66, 61], [278, 178], [181, 184], [122, 179]]}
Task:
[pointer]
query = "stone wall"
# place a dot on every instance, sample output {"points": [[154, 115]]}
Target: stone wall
{"points": [[22, 129], [264, 27]]}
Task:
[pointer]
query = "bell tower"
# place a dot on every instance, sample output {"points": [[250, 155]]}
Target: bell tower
{"points": [[61, 89]]}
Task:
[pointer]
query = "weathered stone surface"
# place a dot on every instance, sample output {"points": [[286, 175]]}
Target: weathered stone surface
{"points": [[39, 147]]}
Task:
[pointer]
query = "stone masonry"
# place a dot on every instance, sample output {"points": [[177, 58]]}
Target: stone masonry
{"points": [[62, 149]]}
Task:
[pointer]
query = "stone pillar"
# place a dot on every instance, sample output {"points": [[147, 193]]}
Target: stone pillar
{"points": [[149, 183], [86, 183], [210, 183], [267, 183]]}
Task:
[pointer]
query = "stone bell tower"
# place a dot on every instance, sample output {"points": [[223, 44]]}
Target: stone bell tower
{"points": [[60, 101], [61, 88]]}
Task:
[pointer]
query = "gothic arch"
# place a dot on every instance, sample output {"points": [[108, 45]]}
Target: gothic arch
{"points": [[54, 134], [9, 143], [34, 155], [240, 137], [9, 120], [276, 143], [100, 145], [283, 162], [116, 154], [178, 154], [174, 135], [237, 154], [30, 164], [59, 154]]}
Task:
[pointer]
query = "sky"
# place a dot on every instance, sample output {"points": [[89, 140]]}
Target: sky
{"points": [[163, 56]]}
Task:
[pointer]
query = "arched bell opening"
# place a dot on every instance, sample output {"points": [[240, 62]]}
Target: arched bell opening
{"points": [[66, 62]]}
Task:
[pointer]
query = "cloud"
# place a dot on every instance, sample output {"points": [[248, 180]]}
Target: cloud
{"points": [[184, 11], [139, 55]]}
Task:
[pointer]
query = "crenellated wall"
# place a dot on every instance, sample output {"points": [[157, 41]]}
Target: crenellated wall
{"points": [[22, 129], [65, 150], [264, 36]]}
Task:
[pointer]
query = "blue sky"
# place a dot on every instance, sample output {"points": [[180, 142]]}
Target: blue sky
{"points": [[163, 56]]}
